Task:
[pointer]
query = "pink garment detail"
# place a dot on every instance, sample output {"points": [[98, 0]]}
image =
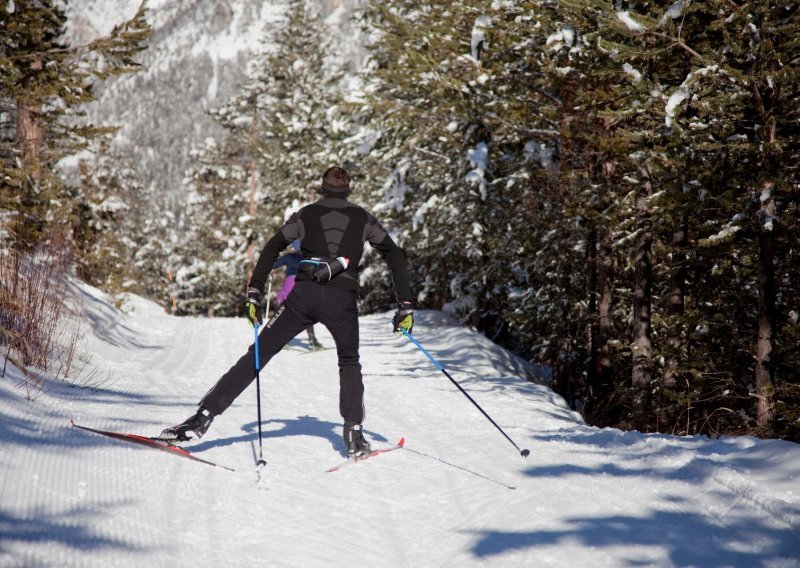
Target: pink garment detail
{"points": [[288, 284]]}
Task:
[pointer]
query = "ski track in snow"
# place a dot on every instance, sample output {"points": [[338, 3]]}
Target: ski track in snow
{"points": [[458, 494]]}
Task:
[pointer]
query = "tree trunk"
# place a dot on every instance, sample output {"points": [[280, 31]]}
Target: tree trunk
{"points": [[642, 287], [592, 330], [677, 284], [765, 387], [604, 269], [567, 381], [29, 130], [251, 254], [676, 295], [604, 296], [598, 261]]}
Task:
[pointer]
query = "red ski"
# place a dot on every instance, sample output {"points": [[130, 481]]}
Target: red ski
{"points": [[150, 443], [366, 456]]}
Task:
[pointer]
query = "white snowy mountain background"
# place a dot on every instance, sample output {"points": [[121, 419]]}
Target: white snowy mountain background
{"points": [[197, 57], [458, 494]]}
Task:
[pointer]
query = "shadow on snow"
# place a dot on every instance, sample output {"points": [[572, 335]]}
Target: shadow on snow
{"points": [[71, 528], [690, 539], [301, 426], [671, 524]]}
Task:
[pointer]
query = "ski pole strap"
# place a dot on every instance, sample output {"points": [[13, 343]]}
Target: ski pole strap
{"points": [[421, 348]]}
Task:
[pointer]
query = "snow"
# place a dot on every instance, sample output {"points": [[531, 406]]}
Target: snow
{"points": [[625, 17], [540, 152], [766, 193], [566, 36], [478, 38], [675, 11], [685, 90], [395, 188], [458, 495], [633, 72], [196, 59], [479, 160], [418, 218], [99, 17]]}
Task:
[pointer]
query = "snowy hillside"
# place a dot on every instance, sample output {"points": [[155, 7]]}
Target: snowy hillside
{"points": [[458, 495], [197, 58]]}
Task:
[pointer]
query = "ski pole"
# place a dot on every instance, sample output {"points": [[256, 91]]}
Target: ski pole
{"points": [[261, 461], [523, 453]]}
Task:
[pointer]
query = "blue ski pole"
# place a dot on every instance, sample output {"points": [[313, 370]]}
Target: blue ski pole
{"points": [[261, 462], [523, 453]]}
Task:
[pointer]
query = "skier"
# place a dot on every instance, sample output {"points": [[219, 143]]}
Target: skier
{"points": [[291, 260], [332, 232]]}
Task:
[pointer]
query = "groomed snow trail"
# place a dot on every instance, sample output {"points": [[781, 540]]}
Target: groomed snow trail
{"points": [[457, 495]]}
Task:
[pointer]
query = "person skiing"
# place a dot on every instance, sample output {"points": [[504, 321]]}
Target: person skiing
{"points": [[291, 260], [332, 233]]}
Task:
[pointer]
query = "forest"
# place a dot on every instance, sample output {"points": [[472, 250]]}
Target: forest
{"points": [[609, 189]]}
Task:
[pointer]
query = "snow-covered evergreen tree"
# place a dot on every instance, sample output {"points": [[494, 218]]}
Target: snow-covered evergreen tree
{"points": [[285, 116], [718, 75], [284, 128], [620, 137], [210, 262], [43, 83]]}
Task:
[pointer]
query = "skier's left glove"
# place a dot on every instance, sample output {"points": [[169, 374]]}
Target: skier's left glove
{"points": [[403, 318], [252, 307]]}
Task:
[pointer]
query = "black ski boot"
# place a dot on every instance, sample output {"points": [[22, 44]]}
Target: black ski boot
{"points": [[313, 342], [354, 440], [193, 427]]}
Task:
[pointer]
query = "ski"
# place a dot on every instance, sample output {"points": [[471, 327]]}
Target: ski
{"points": [[307, 350], [316, 350], [150, 443], [368, 455]]}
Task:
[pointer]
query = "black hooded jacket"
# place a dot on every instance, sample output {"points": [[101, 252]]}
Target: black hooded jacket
{"points": [[330, 228]]}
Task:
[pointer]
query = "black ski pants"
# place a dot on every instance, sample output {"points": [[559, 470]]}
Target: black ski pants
{"points": [[307, 304]]}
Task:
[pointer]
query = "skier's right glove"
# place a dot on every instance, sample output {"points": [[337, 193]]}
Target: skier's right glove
{"points": [[403, 318], [252, 307]]}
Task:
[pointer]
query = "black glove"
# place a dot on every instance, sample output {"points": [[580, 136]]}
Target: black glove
{"points": [[403, 317], [252, 307]]}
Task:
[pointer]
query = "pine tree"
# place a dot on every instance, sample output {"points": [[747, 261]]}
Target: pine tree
{"points": [[43, 82], [644, 114], [108, 197], [119, 233], [284, 116], [440, 168], [705, 76], [283, 128], [213, 247], [749, 99]]}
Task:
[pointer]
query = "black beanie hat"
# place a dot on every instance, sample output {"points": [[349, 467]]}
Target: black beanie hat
{"points": [[335, 181]]}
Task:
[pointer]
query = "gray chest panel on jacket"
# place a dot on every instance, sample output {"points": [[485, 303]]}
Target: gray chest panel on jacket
{"points": [[334, 224]]}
